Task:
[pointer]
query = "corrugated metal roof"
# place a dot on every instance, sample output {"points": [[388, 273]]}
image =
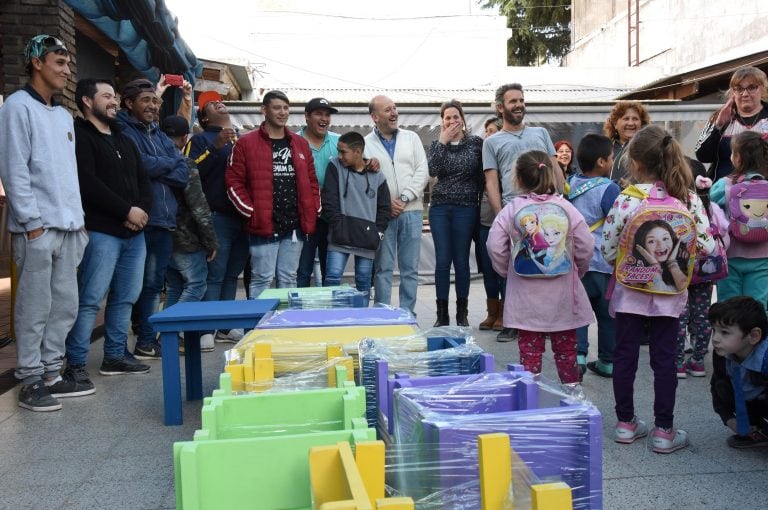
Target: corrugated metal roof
{"points": [[483, 95]]}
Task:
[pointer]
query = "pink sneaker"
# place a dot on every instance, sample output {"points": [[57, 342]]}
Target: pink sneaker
{"points": [[668, 440], [626, 432], [695, 368], [681, 373]]}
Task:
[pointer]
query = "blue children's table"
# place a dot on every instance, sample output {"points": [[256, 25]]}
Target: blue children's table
{"points": [[191, 318]]}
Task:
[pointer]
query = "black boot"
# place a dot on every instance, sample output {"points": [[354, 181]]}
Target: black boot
{"points": [[461, 312], [442, 313]]}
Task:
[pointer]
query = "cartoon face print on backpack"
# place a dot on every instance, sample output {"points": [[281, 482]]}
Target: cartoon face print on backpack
{"points": [[755, 210], [542, 248]]}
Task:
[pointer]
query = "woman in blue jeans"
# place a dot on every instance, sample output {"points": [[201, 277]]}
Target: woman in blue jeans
{"points": [[455, 158]]}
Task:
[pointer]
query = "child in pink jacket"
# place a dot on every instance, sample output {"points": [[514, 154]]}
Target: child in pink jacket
{"points": [[544, 294]]}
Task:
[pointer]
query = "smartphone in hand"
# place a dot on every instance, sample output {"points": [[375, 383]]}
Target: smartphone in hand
{"points": [[174, 80]]}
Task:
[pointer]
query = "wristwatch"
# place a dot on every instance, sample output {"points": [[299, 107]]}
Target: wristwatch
{"points": [[404, 198]]}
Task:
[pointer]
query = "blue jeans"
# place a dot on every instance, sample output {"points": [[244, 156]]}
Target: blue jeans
{"points": [[231, 257], [495, 285], [334, 270], [316, 242], [272, 256], [185, 278], [112, 267], [159, 243], [596, 284], [402, 241], [452, 227]]}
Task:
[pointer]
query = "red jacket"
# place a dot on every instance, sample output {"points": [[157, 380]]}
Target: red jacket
{"points": [[249, 181]]}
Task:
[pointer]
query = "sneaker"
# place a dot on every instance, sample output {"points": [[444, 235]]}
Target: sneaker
{"points": [[681, 373], [67, 386], [506, 335], [151, 351], [206, 342], [668, 440], [695, 368], [626, 432], [122, 366], [232, 336], [36, 397], [755, 439], [601, 368]]}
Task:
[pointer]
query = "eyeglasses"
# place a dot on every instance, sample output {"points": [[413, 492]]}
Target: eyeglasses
{"points": [[740, 90]]}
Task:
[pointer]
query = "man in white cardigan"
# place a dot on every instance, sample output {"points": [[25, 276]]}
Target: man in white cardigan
{"points": [[404, 164]]}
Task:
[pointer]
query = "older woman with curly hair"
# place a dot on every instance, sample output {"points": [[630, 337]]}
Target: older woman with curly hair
{"points": [[626, 119]]}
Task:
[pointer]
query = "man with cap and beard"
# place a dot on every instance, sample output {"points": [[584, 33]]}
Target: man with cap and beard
{"points": [[168, 175], [39, 171]]}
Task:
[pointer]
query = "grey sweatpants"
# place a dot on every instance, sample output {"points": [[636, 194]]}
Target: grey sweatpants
{"points": [[46, 299]]}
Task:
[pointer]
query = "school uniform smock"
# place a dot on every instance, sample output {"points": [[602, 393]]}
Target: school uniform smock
{"points": [[542, 304], [626, 300]]}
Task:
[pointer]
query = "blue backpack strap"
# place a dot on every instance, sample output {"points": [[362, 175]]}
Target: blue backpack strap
{"points": [[582, 188], [764, 369]]}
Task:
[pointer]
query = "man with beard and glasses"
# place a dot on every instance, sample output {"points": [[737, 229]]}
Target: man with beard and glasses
{"points": [[168, 175], [45, 218], [116, 196], [500, 153]]}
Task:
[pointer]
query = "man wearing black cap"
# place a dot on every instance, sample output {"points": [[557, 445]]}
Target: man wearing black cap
{"points": [[211, 150], [39, 171], [167, 170], [323, 143], [116, 196]]}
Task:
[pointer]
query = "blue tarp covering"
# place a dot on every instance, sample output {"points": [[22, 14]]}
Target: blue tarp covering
{"points": [[146, 31]]}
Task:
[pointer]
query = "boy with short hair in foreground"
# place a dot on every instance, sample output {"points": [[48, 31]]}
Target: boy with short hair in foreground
{"points": [[740, 394]]}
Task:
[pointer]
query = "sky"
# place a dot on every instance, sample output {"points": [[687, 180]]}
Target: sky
{"points": [[349, 43]]}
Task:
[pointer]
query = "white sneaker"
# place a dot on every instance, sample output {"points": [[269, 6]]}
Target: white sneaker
{"points": [[232, 337], [626, 432], [206, 342], [668, 441]]}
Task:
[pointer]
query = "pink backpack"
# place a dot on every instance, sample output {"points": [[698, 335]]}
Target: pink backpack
{"points": [[748, 210], [657, 245]]}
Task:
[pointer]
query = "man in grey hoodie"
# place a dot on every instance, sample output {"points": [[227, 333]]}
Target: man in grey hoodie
{"points": [[39, 171]]}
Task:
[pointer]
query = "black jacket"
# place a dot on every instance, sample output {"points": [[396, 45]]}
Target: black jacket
{"points": [[112, 179]]}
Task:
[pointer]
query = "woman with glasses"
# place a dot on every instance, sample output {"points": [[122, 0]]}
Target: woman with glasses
{"points": [[564, 156], [745, 109]]}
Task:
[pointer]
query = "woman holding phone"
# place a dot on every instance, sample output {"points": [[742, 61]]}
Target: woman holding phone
{"points": [[746, 109]]}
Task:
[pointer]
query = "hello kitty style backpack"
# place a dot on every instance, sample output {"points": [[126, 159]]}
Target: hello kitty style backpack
{"points": [[748, 209]]}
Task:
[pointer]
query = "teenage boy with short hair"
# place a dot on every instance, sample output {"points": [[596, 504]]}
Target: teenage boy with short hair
{"points": [[593, 194], [740, 393]]}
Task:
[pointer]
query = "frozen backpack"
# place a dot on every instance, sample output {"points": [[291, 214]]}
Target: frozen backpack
{"points": [[748, 209], [657, 245], [542, 248]]}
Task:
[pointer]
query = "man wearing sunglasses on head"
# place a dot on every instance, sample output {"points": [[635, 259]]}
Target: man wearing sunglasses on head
{"points": [[39, 171], [168, 175]]}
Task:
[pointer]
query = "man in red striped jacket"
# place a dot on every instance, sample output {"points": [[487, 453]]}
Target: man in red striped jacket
{"points": [[271, 181]]}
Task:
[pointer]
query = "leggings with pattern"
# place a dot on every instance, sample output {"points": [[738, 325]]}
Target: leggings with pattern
{"points": [[694, 321], [532, 347]]}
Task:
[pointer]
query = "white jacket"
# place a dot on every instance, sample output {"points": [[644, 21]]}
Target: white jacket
{"points": [[408, 173]]}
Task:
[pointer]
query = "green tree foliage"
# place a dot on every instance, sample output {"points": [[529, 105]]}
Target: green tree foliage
{"points": [[541, 30]]}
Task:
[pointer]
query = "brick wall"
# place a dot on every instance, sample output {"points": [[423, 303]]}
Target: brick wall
{"points": [[22, 19]]}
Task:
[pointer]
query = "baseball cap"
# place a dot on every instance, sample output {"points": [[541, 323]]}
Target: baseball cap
{"points": [[319, 103], [204, 98], [175, 125], [136, 87], [42, 44]]}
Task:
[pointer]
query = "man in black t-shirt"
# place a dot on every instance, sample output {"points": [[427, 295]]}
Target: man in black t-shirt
{"points": [[271, 181]]}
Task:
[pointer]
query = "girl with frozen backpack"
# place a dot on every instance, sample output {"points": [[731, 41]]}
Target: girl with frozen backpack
{"points": [[544, 295], [650, 292]]}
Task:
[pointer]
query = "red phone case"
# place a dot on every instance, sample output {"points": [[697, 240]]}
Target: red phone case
{"points": [[174, 80]]}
